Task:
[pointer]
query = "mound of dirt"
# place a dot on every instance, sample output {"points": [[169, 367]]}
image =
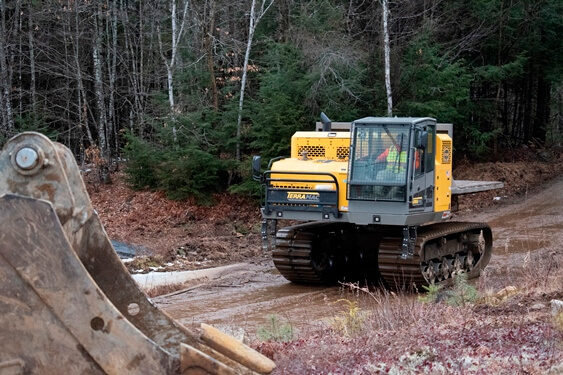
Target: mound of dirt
{"points": [[519, 178], [183, 235]]}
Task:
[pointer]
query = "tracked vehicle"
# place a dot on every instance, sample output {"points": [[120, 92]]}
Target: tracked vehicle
{"points": [[371, 201]]}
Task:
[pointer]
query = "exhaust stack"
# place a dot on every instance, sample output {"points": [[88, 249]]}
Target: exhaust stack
{"points": [[327, 124]]}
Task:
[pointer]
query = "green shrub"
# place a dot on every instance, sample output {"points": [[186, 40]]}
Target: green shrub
{"points": [[460, 294], [351, 320], [432, 292], [142, 162], [463, 292], [275, 331], [188, 172], [181, 171]]}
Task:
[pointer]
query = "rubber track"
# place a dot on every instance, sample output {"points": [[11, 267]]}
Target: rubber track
{"points": [[398, 273], [292, 254]]}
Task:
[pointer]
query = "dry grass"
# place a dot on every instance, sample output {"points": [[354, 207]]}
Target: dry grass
{"points": [[160, 290], [401, 334]]}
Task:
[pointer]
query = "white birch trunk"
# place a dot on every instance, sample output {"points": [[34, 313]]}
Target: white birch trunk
{"points": [[32, 61], [170, 72], [244, 72], [387, 50], [5, 78], [171, 64], [254, 19], [99, 89]]}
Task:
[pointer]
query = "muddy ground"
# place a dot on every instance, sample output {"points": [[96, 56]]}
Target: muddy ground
{"points": [[251, 300], [527, 234]]}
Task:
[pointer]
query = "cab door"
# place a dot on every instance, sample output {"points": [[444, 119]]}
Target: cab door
{"points": [[422, 177]]}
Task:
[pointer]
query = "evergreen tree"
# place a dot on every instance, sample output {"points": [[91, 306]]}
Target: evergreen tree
{"points": [[278, 109]]}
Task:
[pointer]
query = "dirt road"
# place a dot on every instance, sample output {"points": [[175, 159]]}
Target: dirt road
{"points": [[527, 233]]}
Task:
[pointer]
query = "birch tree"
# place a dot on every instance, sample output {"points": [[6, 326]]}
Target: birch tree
{"points": [[171, 63], [82, 98], [31, 46], [254, 19], [387, 51], [5, 75], [99, 86]]}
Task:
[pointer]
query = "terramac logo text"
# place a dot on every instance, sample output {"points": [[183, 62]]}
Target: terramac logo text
{"points": [[301, 196]]}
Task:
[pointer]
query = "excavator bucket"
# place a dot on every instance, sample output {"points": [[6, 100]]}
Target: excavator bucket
{"points": [[67, 303]]}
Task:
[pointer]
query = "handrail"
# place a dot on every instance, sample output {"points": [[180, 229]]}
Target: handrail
{"points": [[328, 200]]}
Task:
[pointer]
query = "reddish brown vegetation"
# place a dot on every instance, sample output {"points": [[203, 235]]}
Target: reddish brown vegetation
{"points": [[519, 178], [402, 335], [169, 230]]}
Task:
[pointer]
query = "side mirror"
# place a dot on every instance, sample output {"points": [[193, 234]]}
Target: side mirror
{"points": [[423, 140], [256, 165]]}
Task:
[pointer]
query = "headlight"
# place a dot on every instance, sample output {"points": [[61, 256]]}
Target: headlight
{"points": [[325, 187]]}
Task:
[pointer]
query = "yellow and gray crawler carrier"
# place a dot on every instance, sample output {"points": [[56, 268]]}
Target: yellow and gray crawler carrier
{"points": [[374, 198]]}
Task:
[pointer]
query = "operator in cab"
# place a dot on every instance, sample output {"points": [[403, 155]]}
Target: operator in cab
{"points": [[395, 157]]}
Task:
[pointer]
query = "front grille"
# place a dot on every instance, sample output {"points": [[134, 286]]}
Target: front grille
{"points": [[377, 193], [301, 185], [342, 152], [312, 151]]}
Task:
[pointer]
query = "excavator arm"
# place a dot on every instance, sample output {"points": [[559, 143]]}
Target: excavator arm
{"points": [[67, 303]]}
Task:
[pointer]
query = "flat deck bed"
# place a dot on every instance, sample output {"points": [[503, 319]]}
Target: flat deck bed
{"points": [[467, 187]]}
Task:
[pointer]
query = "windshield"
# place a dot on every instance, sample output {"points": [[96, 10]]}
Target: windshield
{"points": [[379, 162]]}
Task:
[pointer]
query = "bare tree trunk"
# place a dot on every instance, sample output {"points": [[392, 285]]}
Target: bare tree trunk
{"points": [[209, 48], [387, 50], [70, 95], [499, 85], [170, 78], [33, 84], [171, 64], [254, 19], [112, 81], [20, 64], [5, 76], [559, 116], [135, 64], [82, 103], [99, 88]]}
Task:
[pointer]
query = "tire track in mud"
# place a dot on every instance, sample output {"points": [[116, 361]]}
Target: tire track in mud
{"points": [[528, 230]]}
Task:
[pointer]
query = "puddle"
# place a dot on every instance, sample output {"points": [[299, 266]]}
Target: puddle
{"points": [[532, 227], [515, 245], [249, 307]]}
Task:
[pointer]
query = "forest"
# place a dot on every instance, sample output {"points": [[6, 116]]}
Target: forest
{"points": [[187, 91]]}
